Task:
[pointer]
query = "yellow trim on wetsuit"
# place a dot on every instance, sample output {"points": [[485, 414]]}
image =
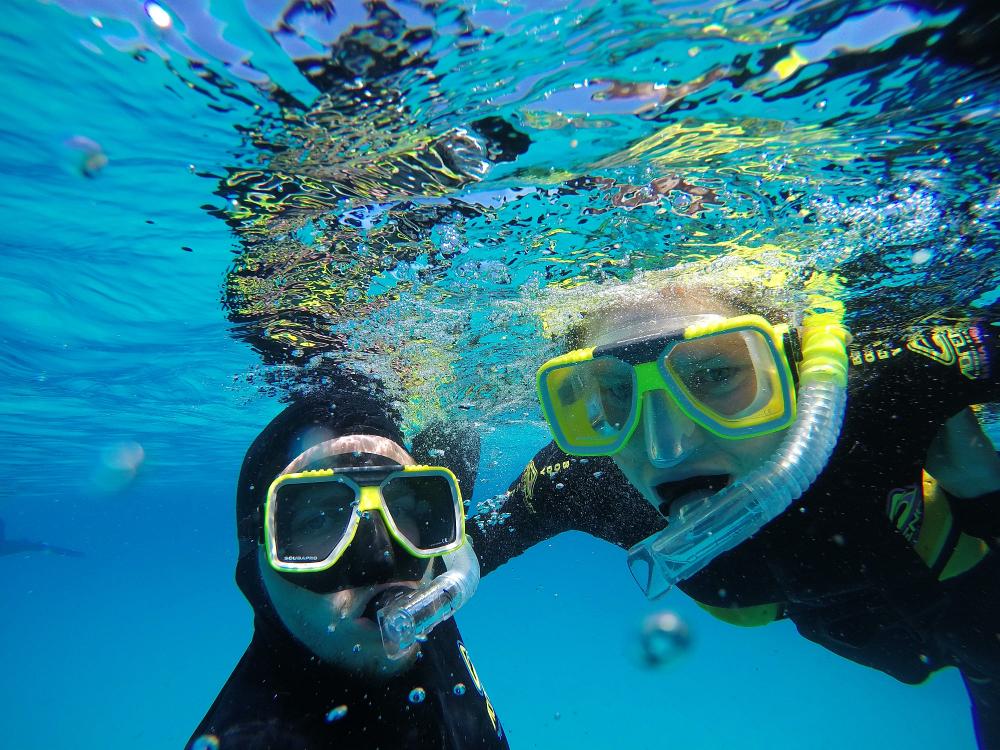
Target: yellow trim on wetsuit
{"points": [[935, 526], [745, 617], [963, 551], [935, 538], [969, 552]]}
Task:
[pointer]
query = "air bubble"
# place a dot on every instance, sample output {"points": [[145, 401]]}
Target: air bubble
{"points": [[417, 695], [665, 638], [336, 714], [459, 689], [357, 648], [206, 742], [159, 16], [89, 156]]}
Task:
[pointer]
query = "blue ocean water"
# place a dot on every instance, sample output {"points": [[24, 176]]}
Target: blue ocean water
{"points": [[138, 361]]}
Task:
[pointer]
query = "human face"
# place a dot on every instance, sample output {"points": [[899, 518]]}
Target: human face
{"points": [[670, 459], [341, 627]]}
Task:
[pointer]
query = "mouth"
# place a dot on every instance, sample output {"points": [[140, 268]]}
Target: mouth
{"points": [[381, 598], [675, 495]]}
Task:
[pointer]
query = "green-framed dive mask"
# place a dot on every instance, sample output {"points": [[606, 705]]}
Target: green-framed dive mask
{"points": [[733, 376]]}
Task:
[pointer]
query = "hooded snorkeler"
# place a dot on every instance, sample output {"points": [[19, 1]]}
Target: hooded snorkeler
{"points": [[339, 528], [699, 421]]}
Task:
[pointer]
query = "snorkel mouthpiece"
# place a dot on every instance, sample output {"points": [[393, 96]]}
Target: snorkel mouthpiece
{"points": [[734, 514], [411, 618]]}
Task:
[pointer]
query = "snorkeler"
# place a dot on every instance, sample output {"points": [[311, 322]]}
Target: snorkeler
{"points": [[22, 546], [704, 430], [338, 529]]}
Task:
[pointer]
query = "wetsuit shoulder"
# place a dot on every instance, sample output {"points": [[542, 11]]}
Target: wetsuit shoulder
{"points": [[557, 492], [942, 362]]}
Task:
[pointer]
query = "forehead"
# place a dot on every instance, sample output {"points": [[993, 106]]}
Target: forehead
{"points": [[350, 450], [652, 313]]}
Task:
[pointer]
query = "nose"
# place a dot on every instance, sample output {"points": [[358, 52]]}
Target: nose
{"points": [[670, 435], [370, 559], [374, 557]]}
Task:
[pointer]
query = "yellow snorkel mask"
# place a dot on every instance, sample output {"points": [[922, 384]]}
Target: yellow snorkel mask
{"points": [[311, 517], [733, 376]]}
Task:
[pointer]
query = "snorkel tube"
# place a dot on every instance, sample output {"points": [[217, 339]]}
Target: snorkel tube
{"points": [[734, 514], [410, 618]]}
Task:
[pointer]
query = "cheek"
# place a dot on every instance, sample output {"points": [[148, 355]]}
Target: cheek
{"points": [[301, 609], [751, 453], [632, 457], [633, 462]]}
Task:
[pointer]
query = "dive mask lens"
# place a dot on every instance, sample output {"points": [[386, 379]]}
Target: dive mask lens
{"points": [[591, 404], [731, 382], [311, 519], [425, 509], [717, 372]]}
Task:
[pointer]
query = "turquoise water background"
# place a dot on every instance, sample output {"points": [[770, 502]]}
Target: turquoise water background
{"points": [[114, 338]]}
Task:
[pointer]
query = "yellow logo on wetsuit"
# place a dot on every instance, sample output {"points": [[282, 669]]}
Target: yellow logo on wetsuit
{"points": [[906, 511], [474, 675], [528, 479], [947, 345]]}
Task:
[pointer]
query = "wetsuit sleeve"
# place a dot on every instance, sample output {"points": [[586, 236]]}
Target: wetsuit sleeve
{"points": [[555, 493], [942, 365]]}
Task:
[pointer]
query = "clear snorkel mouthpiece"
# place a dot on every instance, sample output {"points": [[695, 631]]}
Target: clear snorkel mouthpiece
{"points": [[410, 618], [734, 514]]}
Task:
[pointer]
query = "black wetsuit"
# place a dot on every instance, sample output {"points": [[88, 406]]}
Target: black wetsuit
{"points": [[875, 562], [280, 696]]}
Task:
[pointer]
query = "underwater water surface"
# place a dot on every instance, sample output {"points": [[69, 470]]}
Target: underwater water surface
{"points": [[211, 204]]}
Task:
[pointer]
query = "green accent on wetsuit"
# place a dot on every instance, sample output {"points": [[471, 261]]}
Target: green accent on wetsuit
{"points": [[745, 617]]}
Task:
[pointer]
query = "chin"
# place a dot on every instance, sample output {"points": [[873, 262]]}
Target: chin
{"points": [[335, 627]]}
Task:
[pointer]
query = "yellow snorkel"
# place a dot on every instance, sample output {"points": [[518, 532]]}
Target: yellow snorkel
{"points": [[719, 523]]}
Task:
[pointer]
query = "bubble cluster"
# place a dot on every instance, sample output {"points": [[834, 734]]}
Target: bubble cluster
{"points": [[490, 512]]}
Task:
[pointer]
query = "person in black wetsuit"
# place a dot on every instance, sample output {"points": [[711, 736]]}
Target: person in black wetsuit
{"points": [[315, 674], [888, 559], [27, 546]]}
